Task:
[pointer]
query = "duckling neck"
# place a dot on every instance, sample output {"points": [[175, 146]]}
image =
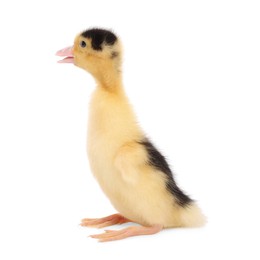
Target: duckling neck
{"points": [[110, 81], [111, 116]]}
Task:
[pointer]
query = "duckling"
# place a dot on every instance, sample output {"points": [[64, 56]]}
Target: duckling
{"points": [[130, 170]]}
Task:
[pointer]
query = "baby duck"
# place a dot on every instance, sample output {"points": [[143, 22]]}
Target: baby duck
{"points": [[130, 170]]}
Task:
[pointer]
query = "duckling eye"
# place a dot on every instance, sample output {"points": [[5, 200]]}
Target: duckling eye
{"points": [[83, 44]]}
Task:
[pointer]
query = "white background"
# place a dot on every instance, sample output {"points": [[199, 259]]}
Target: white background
{"points": [[191, 70]]}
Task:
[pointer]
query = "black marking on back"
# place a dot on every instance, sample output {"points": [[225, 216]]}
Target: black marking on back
{"points": [[98, 37], [158, 161]]}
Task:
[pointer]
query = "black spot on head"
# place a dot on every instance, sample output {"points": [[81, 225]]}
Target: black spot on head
{"points": [[114, 54], [158, 161], [98, 37]]}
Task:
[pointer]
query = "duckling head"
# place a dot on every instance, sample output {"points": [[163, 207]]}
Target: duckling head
{"points": [[97, 51]]}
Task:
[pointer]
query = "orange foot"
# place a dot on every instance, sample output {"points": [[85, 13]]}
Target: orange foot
{"points": [[104, 222], [111, 235]]}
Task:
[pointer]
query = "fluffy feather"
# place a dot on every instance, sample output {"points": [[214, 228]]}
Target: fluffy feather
{"points": [[130, 170]]}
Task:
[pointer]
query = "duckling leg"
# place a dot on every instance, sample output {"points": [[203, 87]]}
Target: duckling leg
{"points": [[104, 222], [111, 235]]}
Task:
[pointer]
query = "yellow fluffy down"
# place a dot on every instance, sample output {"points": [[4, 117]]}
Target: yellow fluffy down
{"points": [[117, 159]]}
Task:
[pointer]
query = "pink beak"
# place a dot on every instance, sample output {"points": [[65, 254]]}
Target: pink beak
{"points": [[67, 53]]}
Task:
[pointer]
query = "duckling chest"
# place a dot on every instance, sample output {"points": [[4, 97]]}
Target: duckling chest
{"points": [[103, 143], [111, 124]]}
